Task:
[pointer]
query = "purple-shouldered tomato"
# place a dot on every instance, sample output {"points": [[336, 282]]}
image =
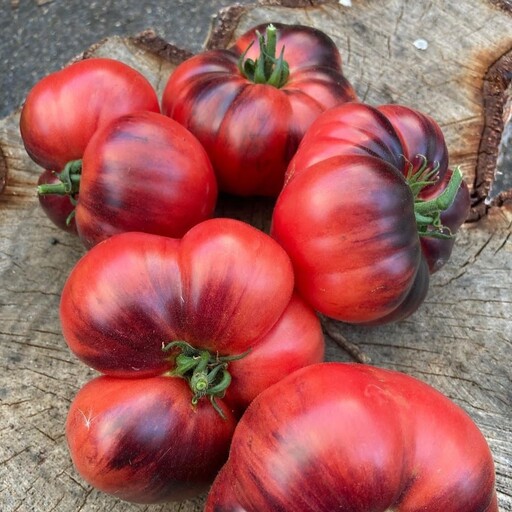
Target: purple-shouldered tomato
{"points": [[365, 188], [141, 172], [63, 111], [250, 104], [194, 328]]}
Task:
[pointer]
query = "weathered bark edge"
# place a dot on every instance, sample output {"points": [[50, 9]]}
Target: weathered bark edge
{"points": [[3, 170], [495, 97]]}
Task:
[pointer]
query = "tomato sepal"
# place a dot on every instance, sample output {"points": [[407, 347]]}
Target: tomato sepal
{"points": [[206, 373], [266, 69]]}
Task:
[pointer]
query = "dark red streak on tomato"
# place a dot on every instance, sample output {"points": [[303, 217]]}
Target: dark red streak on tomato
{"points": [[419, 134]]}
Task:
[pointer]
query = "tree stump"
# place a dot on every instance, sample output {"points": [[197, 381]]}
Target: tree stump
{"points": [[453, 61]]}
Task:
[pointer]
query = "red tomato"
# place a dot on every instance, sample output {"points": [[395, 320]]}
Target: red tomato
{"points": [[142, 440], [64, 109], [249, 110], [143, 172], [354, 438], [363, 191], [223, 290]]}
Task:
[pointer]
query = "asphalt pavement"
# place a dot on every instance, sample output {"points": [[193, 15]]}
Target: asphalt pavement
{"points": [[40, 36]]}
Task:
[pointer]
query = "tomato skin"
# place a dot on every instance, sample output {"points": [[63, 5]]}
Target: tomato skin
{"points": [[419, 134], [295, 340], [339, 436], [346, 215], [64, 109], [250, 130], [143, 172], [57, 208], [142, 440]]}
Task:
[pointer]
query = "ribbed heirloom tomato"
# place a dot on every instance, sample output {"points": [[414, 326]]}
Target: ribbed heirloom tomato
{"points": [[141, 172], [250, 104], [188, 332], [64, 109], [354, 438], [369, 209]]}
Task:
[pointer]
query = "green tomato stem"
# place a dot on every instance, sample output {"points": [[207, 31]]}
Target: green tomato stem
{"points": [[444, 200], [69, 181], [428, 213], [266, 69], [206, 373]]}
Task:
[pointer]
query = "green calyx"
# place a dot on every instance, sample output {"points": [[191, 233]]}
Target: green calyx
{"points": [[69, 184], [428, 213], [266, 69], [69, 179], [206, 373]]}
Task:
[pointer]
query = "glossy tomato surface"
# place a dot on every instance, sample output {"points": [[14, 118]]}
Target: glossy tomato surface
{"points": [[225, 288], [64, 109], [354, 438], [251, 130], [348, 214], [142, 440], [143, 172]]}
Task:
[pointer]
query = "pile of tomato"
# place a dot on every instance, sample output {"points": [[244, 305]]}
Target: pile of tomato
{"points": [[205, 330]]}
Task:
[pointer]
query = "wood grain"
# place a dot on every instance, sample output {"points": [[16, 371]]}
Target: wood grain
{"points": [[459, 341]]}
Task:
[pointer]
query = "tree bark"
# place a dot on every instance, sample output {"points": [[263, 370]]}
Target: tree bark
{"points": [[460, 339]]}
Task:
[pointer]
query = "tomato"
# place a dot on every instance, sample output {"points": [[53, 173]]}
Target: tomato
{"points": [[64, 109], [250, 105], [141, 172], [350, 437], [366, 191], [142, 440], [224, 291], [59, 209]]}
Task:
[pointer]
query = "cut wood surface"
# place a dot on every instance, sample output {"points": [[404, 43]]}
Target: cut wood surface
{"points": [[460, 339]]}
